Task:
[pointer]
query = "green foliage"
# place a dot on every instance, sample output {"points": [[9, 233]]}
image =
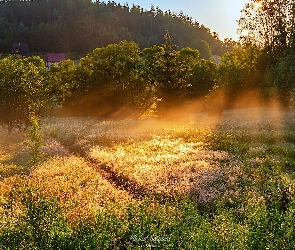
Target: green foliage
{"points": [[62, 81], [116, 63], [239, 71], [284, 73], [170, 82], [41, 224], [202, 78], [36, 140], [169, 72], [100, 23], [23, 89], [120, 76], [118, 79], [109, 78], [203, 47], [188, 59]]}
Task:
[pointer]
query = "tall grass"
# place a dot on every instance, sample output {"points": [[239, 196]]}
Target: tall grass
{"points": [[208, 183]]}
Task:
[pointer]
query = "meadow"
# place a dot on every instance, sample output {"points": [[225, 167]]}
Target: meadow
{"points": [[191, 182]]}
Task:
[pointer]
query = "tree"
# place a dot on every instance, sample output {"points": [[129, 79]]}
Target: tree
{"points": [[53, 26], [168, 69], [62, 81], [271, 25], [22, 90], [267, 23], [151, 69], [170, 84], [202, 79], [116, 63], [284, 75], [188, 58], [238, 71], [110, 78], [203, 47]]}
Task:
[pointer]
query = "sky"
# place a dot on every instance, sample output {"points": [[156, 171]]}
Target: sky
{"points": [[218, 15]]}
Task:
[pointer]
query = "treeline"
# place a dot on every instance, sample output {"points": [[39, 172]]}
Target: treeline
{"points": [[264, 61], [120, 80], [79, 26]]}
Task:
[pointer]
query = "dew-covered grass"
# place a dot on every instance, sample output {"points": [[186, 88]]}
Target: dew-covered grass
{"points": [[196, 182]]}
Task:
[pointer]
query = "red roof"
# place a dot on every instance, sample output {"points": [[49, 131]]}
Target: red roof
{"points": [[55, 57]]}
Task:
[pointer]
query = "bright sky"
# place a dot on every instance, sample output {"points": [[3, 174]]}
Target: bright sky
{"points": [[217, 15]]}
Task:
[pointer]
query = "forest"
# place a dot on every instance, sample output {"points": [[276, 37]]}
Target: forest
{"points": [[62, 25], [143, 141]]}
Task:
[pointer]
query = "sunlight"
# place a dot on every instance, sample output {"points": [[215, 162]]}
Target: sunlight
{"points": [[258, 5]]}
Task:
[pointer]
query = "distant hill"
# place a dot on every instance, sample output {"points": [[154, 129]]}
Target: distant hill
{"points": [[81, 25]]}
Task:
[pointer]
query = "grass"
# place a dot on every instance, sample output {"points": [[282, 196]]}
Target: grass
{"points": [[199, 183]]}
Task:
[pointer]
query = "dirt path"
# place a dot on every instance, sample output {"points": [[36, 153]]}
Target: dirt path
{"points": [[119, 181]]}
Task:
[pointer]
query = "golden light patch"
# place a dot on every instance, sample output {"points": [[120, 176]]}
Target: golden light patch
{"points": [[258, 5], [164, 166]]}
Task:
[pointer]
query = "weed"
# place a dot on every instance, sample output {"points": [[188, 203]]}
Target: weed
{"points": [[36, 140]]}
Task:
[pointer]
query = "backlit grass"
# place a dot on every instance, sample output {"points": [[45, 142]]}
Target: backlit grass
{"points": [[199, 183]]}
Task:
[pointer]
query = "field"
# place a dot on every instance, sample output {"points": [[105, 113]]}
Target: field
{"points": [[193, 182]]}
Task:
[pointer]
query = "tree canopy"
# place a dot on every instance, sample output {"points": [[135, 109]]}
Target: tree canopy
{"points": [[81, 26], [23, 90], [270, 26]]}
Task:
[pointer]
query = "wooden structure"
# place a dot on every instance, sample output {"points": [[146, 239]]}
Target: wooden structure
{"points": [[54, 58]]}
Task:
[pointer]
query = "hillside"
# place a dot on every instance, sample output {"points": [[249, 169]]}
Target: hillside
{"points": [[82, 25]]}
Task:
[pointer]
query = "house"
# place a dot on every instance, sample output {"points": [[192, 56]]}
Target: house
{"points": [[20, 50], [54, 58]]}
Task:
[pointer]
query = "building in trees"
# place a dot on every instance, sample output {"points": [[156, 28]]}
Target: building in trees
{"points": [[54, 58], [20, 49]]}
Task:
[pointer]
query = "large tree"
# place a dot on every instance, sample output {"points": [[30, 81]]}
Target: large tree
{"points": [[167, 70], [62, 81], [110, 80], [268, 23], [23, 90]]}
